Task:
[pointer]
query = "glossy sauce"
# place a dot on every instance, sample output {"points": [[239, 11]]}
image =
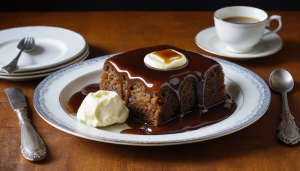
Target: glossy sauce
{"points": [[168, 55], [189, 121], [92, 88], [130, 65], [76, 99], [154, 81]]}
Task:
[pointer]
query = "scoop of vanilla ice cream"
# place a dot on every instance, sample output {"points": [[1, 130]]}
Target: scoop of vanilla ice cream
{"points": [[102, 108], [156, 61]]}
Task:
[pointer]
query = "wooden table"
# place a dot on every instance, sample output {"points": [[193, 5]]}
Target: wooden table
{"points": [[255, 147]]}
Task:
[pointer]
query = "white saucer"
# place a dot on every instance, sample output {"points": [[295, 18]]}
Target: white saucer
{"points": [[209, 41]]}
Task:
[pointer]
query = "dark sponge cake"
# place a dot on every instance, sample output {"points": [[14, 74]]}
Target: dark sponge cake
{"points": [[155, 97]]}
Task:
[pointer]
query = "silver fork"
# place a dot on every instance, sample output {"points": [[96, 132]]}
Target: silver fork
{"points": [[26, 44]]}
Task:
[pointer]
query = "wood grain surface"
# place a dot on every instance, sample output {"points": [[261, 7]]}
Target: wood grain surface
{"points": [[255, 147]]}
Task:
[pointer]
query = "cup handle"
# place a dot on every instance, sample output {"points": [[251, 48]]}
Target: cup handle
{"points": [[277, 17]]}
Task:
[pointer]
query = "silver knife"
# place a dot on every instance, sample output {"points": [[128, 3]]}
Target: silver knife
{"points": [[32, 146]]}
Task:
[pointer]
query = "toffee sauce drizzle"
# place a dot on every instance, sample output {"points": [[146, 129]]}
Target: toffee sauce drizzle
{"points": [[76, 99], [130, 65], [190, 121]]}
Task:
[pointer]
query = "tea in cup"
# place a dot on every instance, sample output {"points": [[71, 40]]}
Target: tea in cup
{"points": [[240, 28]]}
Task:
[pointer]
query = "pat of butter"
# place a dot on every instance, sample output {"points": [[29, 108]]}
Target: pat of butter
{"points": [[102, 108], [166, 59]]}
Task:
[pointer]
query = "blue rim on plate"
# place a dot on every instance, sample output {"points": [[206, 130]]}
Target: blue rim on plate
{"points": [[260, 109]]}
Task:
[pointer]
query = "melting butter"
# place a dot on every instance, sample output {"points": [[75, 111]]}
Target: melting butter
{"points": [[168, 55], [165, 59]]}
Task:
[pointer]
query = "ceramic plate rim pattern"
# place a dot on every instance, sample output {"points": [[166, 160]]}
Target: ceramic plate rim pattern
{"points": [[238, 56], [36, 76], [74, 41], [43, 87], [261, 104]]}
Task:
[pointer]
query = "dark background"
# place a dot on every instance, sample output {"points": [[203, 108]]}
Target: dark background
{"points": [[144, 5]]}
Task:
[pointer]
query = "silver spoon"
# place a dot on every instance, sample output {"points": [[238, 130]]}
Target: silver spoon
{"points": [[282, 81], [26, 44]]}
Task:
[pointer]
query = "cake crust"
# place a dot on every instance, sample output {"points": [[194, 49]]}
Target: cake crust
{"points": [[154, 97]]}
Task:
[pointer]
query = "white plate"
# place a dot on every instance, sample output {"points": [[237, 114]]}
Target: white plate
{"points": [[42, 74], [249, 91], [78, 58], [53, 46], [209, 41]]}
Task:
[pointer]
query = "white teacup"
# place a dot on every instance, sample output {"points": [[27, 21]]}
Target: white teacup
{"points": [[241, 37]]}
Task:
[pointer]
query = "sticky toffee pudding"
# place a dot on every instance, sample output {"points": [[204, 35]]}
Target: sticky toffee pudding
{"points": [[164, 102]]}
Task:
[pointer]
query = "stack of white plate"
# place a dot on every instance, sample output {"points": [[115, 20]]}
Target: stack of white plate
{"points": [[55, 48]]}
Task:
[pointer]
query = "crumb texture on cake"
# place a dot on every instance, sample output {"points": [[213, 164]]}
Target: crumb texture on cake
{"points": [[160, 103], [149, 108]]}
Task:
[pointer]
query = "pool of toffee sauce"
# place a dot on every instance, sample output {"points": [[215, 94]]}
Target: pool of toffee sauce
{"points": [[189, 121]]}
